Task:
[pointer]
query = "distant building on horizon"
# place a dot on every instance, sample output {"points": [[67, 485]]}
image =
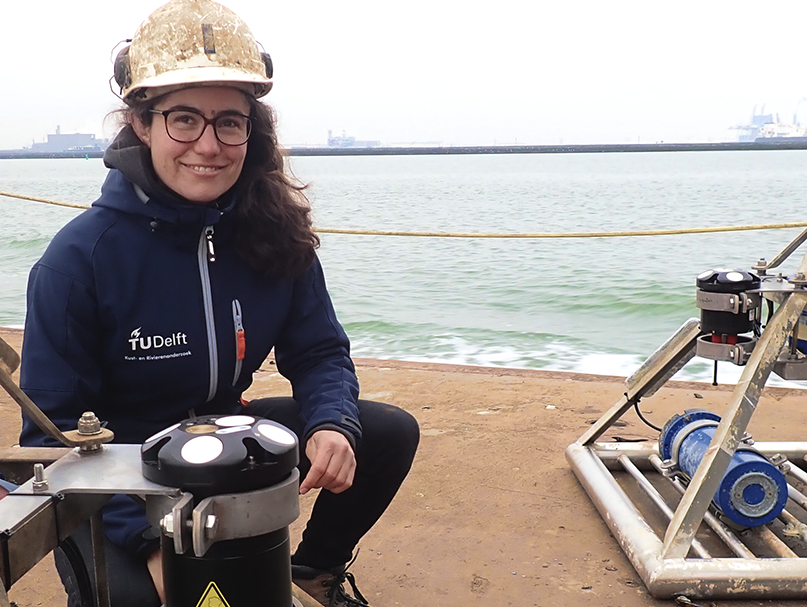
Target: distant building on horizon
{"points": [[73, 142], [349, 142]]}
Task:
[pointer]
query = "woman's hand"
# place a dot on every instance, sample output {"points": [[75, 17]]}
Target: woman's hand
{"points": [[333, 463], [155, 566]]}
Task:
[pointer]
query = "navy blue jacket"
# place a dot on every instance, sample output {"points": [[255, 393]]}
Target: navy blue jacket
{"points": [[134, 312]]}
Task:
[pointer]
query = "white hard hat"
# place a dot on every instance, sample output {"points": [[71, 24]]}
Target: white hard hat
{"points": [[188, 43]]}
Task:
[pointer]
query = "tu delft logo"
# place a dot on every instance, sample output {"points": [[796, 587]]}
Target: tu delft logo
{"points": [[155, 342]]}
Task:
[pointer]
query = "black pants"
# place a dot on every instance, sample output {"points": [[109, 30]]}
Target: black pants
{"points": [[338, 521]]}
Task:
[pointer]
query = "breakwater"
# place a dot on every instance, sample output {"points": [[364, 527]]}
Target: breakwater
{"points": [[594, 148]]}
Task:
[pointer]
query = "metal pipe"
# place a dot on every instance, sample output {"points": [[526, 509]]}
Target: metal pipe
{"points": [[99, 559], [795, 470], [794, 341], [639, 453], [784, 254], [797, 496], [658, 499], [724, 533], [773, 541], [729, 579], [648, 377], [662, 364], [789, 519], [635, 536]]}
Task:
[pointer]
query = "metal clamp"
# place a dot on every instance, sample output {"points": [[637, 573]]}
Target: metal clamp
{"points": [[176, 524], [738, 353], [736, 303], [686, 431], [670, 469], [239, 515]]}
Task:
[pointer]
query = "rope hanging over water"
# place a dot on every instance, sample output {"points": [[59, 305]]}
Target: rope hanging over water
{"points": [[746, 228]]}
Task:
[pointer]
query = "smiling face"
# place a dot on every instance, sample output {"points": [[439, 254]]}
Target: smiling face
{"points": [[202, 170]]}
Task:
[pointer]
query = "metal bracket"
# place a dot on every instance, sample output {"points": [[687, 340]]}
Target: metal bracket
{"points": [[239, 515], [176, 524], [791, 367], [738, 353], [89, 443], [736, 303]]}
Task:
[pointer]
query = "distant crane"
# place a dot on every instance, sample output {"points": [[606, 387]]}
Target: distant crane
{"points": [[796, 113], [759, 119]]}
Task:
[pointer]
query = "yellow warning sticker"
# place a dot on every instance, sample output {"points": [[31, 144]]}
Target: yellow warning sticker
{"points": [[212, 597]]}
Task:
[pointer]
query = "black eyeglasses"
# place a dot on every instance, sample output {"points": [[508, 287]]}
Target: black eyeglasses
{"points": [[187, 126]]}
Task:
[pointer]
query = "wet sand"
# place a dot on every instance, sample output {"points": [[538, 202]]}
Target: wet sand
{"points": [[491, 514]]}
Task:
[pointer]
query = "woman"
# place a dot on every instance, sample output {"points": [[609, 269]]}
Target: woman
{"points": [[162, 300]]}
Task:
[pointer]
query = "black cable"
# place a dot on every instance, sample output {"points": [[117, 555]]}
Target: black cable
{"points": [[642, 417]]}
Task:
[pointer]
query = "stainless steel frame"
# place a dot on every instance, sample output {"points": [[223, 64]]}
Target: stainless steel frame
{"points": [[47, 508], [40, 514], [762, 562]]}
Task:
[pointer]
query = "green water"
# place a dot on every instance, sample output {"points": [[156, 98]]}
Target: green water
{"points": [[594, 305]]}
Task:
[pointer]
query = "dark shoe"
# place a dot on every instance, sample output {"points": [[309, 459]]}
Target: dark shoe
{"points": [[327, 587]]}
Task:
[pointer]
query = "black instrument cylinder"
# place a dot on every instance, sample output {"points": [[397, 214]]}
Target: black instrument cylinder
{"points": [[727, 281], [247, 572], [235, 467]]}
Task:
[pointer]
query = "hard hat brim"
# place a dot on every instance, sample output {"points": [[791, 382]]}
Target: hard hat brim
{"points": [[161, 84]]}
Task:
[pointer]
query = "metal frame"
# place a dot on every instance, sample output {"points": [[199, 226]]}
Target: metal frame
{"points": [[47, 508], [44, 510], [673, 563]]}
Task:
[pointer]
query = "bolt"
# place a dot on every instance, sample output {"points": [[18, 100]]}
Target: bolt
{"points": [[211, 526], [89, 424], [167, 524], [40, 484]]}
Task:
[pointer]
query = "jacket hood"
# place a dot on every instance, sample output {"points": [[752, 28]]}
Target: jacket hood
{"points": [[132, 158], [130, 161]]}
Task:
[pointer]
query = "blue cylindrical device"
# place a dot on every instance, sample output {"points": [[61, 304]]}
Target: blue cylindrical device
{"points": [[752, 492]]}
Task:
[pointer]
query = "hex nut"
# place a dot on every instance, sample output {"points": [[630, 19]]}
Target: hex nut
{"points": [[89, 424], [167, 524]]}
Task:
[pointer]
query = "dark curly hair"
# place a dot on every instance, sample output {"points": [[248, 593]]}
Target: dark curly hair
{"points": [[272, 215]]}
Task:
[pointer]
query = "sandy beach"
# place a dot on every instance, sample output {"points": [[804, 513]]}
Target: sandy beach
{"points": [[491, 513]]}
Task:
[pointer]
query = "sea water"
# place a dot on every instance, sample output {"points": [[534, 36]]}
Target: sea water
{"points": [[595, 305]]}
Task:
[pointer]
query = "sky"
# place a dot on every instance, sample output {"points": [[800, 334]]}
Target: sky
{"points": [[444, 71]]}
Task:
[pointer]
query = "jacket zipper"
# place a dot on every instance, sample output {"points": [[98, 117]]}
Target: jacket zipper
{"points": [[240, 339], [205, 255]]}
